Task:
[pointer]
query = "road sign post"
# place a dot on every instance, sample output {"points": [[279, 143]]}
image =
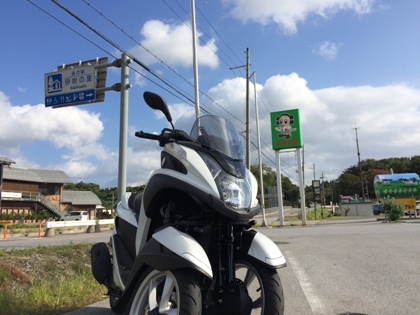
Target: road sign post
{"points": [[286, 133], [70, 87], [77, 83], [84, 83]]}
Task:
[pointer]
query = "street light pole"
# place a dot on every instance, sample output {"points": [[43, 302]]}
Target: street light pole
{"points": [[195, 63], [264, 223], [248, 140]]}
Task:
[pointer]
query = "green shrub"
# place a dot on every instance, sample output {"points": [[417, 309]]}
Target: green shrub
{"points": [[310, 215], [393, 210]]}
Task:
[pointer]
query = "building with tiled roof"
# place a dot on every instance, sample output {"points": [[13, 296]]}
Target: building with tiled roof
{"points": [[27, 191]]}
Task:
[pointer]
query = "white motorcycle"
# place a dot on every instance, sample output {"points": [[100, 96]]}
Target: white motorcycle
{"points": [[186, 244]]}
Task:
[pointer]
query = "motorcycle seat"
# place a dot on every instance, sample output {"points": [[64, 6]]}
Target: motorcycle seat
{"points": [[134, 202]]}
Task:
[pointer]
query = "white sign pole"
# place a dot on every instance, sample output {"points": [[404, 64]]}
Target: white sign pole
{"points": [[122, 163], [301, 185], [195, 61], [279, 188]]}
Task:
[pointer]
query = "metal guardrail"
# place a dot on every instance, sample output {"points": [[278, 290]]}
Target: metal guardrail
{"points": [[92, 225], [58, 224]]}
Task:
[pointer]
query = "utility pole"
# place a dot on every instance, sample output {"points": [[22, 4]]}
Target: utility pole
{"points": [[322, 195], [248, 140], [360, 164], [313, 189]]}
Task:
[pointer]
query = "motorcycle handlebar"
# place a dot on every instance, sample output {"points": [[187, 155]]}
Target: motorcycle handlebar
{"points": [[166, 136], [145, 135]]}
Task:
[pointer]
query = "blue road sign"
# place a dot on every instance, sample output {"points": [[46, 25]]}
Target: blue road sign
{"points": [[70, 87], [71, 98]]}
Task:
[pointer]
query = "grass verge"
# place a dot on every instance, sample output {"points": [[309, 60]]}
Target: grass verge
{"points": [[47, 280]]}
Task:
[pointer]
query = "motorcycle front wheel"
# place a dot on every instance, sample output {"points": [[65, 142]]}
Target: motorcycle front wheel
{"points": [[263, 285], [166, 292]]}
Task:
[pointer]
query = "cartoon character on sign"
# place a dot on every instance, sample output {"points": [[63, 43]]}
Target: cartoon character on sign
{"points": [[284, 123]]}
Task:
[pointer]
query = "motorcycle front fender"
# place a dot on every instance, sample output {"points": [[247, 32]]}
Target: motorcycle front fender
{"points": [[167, 249], [262, 248], [170, 249]]}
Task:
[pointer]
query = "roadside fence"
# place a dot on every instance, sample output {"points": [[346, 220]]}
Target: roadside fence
{"points": [[92, 225]]}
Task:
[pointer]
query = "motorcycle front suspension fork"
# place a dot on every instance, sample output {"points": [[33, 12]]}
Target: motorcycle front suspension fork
{"points": [[226, 263]]}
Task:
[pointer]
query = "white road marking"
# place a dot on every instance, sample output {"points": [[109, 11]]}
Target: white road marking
{"points": [[316, 302]]}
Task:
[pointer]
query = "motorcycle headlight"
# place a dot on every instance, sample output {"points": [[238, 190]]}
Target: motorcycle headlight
{"points": [[234, 191]]}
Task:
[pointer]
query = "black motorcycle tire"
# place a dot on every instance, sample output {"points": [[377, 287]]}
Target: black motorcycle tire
{"points": [[261, 281], [184, 296]]}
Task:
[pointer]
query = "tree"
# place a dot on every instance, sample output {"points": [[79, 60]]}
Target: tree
{"points": [[108, 196], [348, 184], [269, 176], [371, 168], [82, 186], [394, 211], [290, 191]]}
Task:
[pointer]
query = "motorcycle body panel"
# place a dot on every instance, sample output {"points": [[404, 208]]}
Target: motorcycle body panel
{"points": [[194, 214], [181, 245], [265, 250]]}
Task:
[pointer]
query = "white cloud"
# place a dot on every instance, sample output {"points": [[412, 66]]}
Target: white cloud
{"points": [[388, 121], [289, 13], [172, 43], [67, 127], [143, 162], [178, 112], [387, 117], [327, 50], [75, 130]]}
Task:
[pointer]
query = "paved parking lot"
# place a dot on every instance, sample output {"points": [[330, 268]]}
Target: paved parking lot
{"points": [[352, 266]]}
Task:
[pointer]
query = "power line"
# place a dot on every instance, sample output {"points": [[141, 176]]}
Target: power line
{"points": [[165, 64], [202, 30], [114, 44], [72, 29]]}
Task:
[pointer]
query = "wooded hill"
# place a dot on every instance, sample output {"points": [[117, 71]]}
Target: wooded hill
{"points": [[349, 182]]}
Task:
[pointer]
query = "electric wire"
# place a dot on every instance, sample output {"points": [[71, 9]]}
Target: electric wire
{"points": [[70, 28], [202, 29], [112, 43], [109, 41], [177, 89], [161, 61]]}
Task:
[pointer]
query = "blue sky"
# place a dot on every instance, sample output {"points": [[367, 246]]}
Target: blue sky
{"points": [[343, 63]]}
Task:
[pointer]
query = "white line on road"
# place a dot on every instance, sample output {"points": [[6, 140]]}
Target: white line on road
{"points": [[318, 306]]}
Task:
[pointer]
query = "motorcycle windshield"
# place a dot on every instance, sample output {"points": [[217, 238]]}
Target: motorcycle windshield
{"points": [[219, 134]]}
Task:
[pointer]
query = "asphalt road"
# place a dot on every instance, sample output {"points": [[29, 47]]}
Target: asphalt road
{"points": [[358, 266], [351, 268]]}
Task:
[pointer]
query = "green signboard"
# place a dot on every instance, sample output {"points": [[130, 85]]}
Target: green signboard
{"points": [[286, 132], [404, 185]]}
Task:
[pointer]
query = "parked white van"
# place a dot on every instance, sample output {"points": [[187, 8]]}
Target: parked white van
{"points": [[75, 216]]}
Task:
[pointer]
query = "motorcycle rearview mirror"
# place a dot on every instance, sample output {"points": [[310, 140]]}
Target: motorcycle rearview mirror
{"points": [[155, 101]]}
